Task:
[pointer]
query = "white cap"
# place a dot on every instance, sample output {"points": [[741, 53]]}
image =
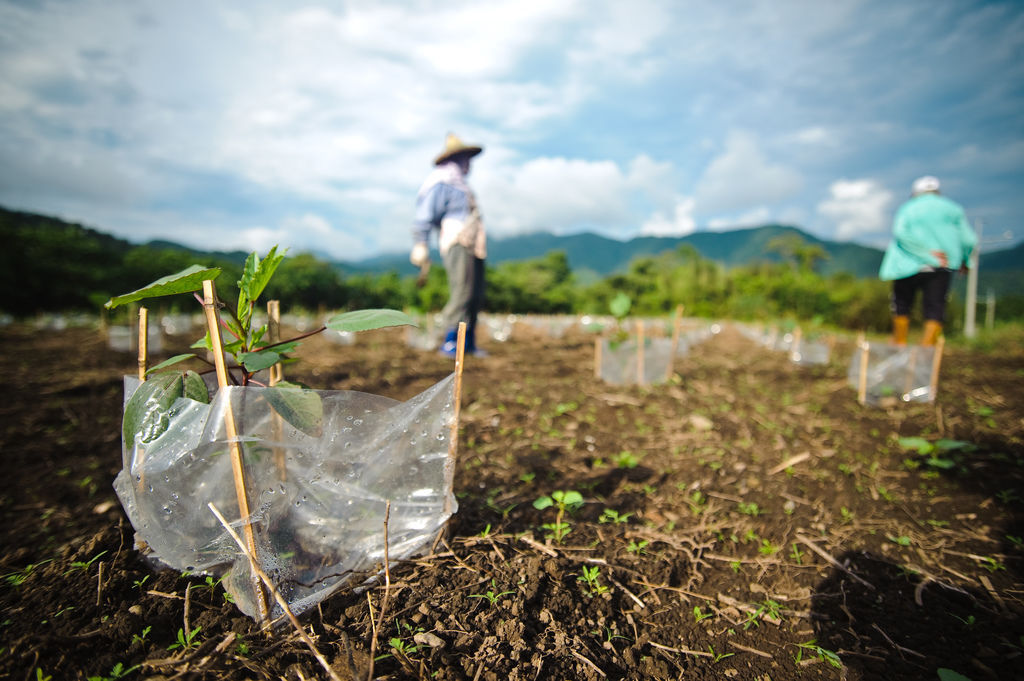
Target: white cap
{"points": [[925, 184]]}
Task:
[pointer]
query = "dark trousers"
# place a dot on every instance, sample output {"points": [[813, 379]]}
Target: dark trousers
{"points": [[465, 290], [934, 287]]}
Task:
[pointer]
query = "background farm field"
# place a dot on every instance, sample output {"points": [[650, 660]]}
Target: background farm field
{"points": [[747, 519]]}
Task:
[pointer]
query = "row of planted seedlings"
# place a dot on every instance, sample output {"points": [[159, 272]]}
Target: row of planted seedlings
{"points": [[642, 357], [319, 485]]}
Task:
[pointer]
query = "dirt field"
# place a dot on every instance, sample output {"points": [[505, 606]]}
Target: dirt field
{"points": [[708, 558]]}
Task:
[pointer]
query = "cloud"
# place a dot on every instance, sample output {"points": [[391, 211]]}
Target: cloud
{"points": [[680, 223], [742, 177], [755, 217], [857, 207]]}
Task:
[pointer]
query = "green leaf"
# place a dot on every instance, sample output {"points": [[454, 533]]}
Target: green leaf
{"points": [[145, 414], [204, 343], [936, 462], [255, 361], [919, 443], [365, 320], [298, 406], [950, 675], [542, 503], [946, 445], [620, 305], [195, 388], [189, 279], [257, 274], [173, 360], [282, 348]]}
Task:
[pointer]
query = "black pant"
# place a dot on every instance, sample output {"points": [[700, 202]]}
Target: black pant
{"points": [[934, 287]]}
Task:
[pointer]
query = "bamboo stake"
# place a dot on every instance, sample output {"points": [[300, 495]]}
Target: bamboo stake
{"points": [[862, 384], [234, 450], [143, 341], [453, 436], [676, 332], [597, 356], [936, 363], [797, 337], [274, 329], [276, 376], [640, 352]]}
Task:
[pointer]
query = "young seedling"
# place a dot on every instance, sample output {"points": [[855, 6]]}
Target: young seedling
{"points": [[84, 565], [590, 576], [492, 594], [822, 654], [18, 577], [141, 638], [717, 657], [627, 460], [118, 672], [699, 615], [767, 608], [610, 515], [749, 508], [563, 501], [636, 548], [186, 641]]}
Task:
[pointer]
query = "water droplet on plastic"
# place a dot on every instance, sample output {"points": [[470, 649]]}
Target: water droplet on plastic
{"points": [[440, 437], [357, 422]]}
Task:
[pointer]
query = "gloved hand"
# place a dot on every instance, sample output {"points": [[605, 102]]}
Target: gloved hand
{"points": [[420, 255]]}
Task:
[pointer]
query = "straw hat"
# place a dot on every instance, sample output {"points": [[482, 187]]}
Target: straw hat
{"points": [[453, 146]]}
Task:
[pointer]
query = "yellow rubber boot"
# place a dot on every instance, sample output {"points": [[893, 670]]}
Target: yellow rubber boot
{"points": [[932, 331], [900, 329]]}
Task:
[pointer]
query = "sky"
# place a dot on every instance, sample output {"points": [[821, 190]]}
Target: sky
{"points": [[238, 125]]}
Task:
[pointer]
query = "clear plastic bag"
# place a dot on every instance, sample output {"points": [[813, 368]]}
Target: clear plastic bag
{"points": [[619, 361], [320, 469], [895, 373]]}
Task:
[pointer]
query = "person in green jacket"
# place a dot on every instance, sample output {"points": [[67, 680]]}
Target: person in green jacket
{"points": [[931, 240]]}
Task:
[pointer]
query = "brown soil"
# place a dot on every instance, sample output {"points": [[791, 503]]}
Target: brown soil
{"points": [[723, 567]]}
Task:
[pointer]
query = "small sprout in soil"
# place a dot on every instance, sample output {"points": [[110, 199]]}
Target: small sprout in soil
{"points": [[184, 641], [117, 672], [527, 477], [902, 540], [847, 514], [716, 657], [767, 548], [18, 577], [697, 502], [822, 654], [767, 608], [736, 565], [969, 622], [486, 532], [41, 677], [626, 460], [242, 647], [992, 564], [139, 583], [1007, 496], [1013, 539], [84, 565], [491, 595], [749, 508], [699, 614], [141, 638], [590, 576], [636, 548], [568, 500], [610, 515], [797, 555]]}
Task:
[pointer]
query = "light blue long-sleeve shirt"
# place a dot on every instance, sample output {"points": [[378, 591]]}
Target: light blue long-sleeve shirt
{"points": [[926, 223]]}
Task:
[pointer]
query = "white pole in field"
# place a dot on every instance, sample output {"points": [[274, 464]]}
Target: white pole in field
{"points": [[972, 286], [990, 309]]}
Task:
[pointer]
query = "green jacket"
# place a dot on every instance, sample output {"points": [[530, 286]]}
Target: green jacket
{"points": [[923, 224]]}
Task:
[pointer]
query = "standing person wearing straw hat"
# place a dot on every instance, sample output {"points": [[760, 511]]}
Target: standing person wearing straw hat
{"points": [[446, 202], [931, 240]]}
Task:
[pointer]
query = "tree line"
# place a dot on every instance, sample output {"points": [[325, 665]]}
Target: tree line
{"points": [[48, 268]]}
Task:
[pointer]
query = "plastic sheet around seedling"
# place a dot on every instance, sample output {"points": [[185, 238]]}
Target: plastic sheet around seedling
{"points": [[619, 361], [499, 328], [126, 338], [320, 469], [810, 353], [340, 337], [894, 373]]}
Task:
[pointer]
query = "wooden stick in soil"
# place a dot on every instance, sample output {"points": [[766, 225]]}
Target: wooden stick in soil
{"points": [[597, 356], [453, 435], [676, 331], [277, 596], [862, 382], [387, 590], [234, 450], [640, 352], [933, 386], [794, 350], [276, 376], [143, 341]]}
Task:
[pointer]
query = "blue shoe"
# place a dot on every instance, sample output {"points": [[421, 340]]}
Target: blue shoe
{"points": [[450, 346]]}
